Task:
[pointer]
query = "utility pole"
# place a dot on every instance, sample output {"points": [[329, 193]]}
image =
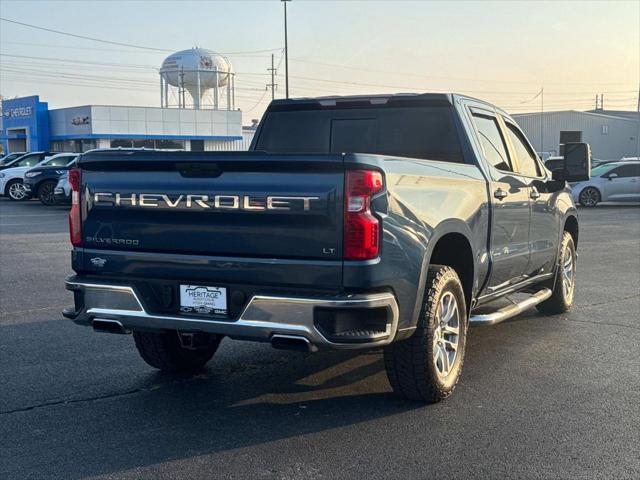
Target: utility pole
{"points": [[273, 84], [541, 120], [602, 101], [638, 129], [286, 52]]}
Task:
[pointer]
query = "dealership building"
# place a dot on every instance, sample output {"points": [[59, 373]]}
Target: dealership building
{"points": [[197, 112], [29, 125]]}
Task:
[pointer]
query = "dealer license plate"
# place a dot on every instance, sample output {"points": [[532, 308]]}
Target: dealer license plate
{"points": [[202, 299]]}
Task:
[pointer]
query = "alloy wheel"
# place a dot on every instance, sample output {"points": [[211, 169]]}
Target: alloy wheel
{"points": [[17, 191], [446, 335], [46, 194], [589, 197], [568, 274]]}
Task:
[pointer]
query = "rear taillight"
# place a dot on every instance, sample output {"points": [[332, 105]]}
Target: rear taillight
{"points": [[361, 228], [75, 221]]}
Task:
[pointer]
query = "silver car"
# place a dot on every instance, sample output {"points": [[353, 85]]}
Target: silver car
{"points": [[611, 182]]}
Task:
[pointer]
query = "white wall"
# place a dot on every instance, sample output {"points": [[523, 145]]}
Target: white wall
{"points": [[164, 121], [231, 145]]}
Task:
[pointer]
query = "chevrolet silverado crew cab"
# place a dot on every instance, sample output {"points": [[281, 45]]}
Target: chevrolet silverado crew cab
{"points": [[391, 221]]}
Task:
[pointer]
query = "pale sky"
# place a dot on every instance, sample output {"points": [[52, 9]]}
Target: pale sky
{"points": [[503, 52]]}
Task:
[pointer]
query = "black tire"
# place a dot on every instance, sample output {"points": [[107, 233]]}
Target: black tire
{"points": [[412, 370], [46, 192], [589, 197], [164, 351], [10, 189], [562, 297]]}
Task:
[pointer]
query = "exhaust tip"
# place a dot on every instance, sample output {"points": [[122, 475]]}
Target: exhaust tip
{"points": [[292, 342], [108, 326]]}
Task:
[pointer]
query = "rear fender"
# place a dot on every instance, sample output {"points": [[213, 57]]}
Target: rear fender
{"points": [[444, 228]]}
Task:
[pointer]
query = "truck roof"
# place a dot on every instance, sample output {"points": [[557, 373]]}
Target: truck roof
{"points": [[374, 99], [381, 99]]}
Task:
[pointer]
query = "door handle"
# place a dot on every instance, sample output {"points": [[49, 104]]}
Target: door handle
{"points": [[535, 194], [500, 193]]}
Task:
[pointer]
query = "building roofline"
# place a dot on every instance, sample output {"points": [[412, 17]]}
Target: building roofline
{"points": [[144, 106], [604, 115]]}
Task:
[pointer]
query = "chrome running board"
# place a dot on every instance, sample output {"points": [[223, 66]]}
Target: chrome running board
{"points": [[510, 311]]}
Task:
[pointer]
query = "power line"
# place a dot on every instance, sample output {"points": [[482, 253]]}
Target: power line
{"points": [[83, 62], [121, 44], [84, 37], [407, 74]]}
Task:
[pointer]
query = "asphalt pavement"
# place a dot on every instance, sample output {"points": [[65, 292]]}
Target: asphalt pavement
{"points": [[540, 397]]}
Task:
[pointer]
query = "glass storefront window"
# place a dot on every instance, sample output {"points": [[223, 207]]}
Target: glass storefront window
{"points": [[143, 144], [170, 144], [121, 143]]}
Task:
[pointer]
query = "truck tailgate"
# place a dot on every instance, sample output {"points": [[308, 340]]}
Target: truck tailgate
{"points": [[238, 204]]}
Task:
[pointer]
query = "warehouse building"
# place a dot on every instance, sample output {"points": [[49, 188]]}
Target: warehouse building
{"points": [[611, 134]]}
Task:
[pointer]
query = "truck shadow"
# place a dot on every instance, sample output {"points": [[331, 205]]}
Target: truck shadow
{"points": [[227, 406], [235, 403]]}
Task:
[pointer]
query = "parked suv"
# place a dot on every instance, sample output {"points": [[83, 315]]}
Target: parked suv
{"points": [[12, 175], [41, 181]]}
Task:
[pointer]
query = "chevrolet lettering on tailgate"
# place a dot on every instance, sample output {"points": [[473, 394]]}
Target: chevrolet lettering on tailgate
{"points": [[219, 202]]}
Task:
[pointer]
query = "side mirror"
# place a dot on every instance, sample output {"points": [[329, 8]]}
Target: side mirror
{"points": [[577, 162], [611, 176]]}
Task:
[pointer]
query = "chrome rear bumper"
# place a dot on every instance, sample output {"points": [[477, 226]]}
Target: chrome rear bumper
{"points": [[263, 317]]}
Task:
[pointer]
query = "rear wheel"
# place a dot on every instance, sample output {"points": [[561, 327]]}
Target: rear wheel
{"points": [[45, 192], [589, 197], [169, 352], [564, 285], [427, 366], [15, 190]]}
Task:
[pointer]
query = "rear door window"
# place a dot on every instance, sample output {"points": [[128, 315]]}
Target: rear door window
{"points": [[493, 144], [625, 171], [527, 162]]}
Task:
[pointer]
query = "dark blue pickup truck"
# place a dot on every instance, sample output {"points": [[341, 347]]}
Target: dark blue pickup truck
{"points": [[388, 221]]}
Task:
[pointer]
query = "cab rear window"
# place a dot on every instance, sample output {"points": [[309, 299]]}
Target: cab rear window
{"points": [[426, 132]]}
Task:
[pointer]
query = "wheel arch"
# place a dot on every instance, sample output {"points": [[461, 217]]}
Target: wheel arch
{"points": [[571, 226], [9, 182], [451, 245]]}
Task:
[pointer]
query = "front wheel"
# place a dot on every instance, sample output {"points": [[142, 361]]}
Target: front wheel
{"points": [[427, 366], [589, 197], [46, 193], [15, 191], [165, 350], [564, 284]]}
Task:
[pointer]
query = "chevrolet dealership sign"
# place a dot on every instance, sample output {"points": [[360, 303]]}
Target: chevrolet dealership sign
{"points": [[18, 112]]}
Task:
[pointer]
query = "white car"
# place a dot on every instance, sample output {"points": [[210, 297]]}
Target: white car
{"points": [[610, 182], [11, 179]]}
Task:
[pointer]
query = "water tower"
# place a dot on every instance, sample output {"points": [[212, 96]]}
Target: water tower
{"points": [[205, 75]]}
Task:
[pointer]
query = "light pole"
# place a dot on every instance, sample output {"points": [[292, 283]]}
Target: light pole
{"points": [[286, 52]]}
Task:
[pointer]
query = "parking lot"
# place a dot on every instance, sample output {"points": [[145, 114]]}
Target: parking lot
{"points": [[540, 397]]}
